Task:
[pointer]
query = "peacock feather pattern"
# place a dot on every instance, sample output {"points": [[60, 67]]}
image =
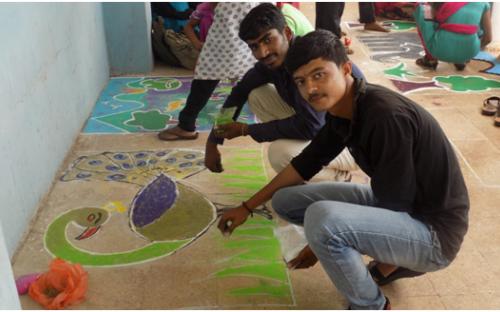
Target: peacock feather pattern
{"points": [[167, 214]]}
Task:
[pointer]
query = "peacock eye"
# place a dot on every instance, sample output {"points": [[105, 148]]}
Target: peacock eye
{"points": [[91, 217]]}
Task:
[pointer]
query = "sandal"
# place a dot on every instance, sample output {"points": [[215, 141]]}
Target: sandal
{"points": [[427, 63], [382, 280], [490, 106], [168, 135]]}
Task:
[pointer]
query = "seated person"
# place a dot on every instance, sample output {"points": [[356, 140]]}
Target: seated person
{"points": [[413, 215], [186, 46], [286, 119], [175, 15], [452, 32]]}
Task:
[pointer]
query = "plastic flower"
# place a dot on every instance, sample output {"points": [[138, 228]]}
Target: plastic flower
{"points": [[64, 284]]}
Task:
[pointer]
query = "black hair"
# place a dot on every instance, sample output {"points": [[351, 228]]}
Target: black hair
{"points": [[260, 19], [317, 44]]}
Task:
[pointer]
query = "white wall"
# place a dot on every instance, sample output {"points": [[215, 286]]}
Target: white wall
{"points": [[8, 292], [128, 36], [53, 65]]}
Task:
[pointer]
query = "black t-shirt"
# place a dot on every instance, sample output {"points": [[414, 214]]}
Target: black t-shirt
{"points": [[412, 165]]}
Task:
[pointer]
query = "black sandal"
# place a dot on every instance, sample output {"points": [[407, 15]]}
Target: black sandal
{"points": [[382, 280], [426, 63]]}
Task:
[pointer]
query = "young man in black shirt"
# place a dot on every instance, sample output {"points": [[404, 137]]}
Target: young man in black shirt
{"points": [[414, 214]]}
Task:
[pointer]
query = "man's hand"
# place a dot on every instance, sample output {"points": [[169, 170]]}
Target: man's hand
{"points": [[305, 259], [232, 218], [213, 158], [231, 130]]}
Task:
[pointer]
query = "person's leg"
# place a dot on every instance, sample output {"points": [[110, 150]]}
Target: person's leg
{"points": [[339, 233], [282, 151], [267, 104], [328, 16], [426, 31], [200, 92], [290, 203], [367, 17]]}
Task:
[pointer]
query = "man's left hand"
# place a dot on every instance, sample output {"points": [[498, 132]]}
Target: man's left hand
{"points": [[231, 130], [305, 259]]}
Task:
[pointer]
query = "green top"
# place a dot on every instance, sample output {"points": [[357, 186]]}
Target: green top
{"points": [[449, 46], [298, 23]]}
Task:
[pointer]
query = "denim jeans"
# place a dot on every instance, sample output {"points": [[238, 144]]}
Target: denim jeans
{"points": [[342, 222]]}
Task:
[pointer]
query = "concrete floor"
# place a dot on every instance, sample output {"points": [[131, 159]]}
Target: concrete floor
{"points": [[188, 279]]}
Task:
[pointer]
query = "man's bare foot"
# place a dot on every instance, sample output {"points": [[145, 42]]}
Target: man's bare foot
{"points": [[376, 27], [176, 133]]}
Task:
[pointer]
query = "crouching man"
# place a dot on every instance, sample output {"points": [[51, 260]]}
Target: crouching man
{"points": [[413, 215]]}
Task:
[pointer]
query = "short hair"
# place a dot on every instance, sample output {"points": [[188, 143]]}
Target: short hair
{"points": [[260, 19], [317, 44]]}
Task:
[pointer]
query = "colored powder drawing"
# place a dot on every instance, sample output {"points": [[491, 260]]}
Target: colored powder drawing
{"points": [[406, 86], [175, 221], [135, 167], [130, 105], [392, 24], [398, 71], [467, 83], [452, 83], [490, 59], [400, 25], [392, 47], [189, 217], [255, 252], [258, 253], [149, 121], [57, 244]]}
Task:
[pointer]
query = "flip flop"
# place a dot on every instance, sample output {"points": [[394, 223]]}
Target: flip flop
{"points": [[382, 280], [490, 106], [176, 137]]}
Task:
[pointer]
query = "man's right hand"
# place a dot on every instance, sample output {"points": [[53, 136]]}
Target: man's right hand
{"points": [[212, 158], [231, 219]]}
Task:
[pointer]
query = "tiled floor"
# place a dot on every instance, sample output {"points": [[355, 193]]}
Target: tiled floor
{"points": [[188, 278]]}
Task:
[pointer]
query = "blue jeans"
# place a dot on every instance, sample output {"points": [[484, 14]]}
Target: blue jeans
{"points": [[342, 222]]}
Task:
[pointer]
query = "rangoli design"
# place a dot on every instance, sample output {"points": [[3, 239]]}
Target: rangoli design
{"points": [[130, 105]]}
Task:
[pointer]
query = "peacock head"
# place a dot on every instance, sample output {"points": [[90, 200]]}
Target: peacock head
{"points": [[91, 219]]}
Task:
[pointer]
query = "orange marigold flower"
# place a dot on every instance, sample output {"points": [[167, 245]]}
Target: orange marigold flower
{"points": [[64, 284]]}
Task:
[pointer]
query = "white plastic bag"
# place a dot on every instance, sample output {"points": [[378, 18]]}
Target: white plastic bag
{"points": [[292, 240]]}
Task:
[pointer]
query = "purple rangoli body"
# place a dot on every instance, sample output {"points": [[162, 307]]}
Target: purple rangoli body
{"points": [[153, 200]]}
